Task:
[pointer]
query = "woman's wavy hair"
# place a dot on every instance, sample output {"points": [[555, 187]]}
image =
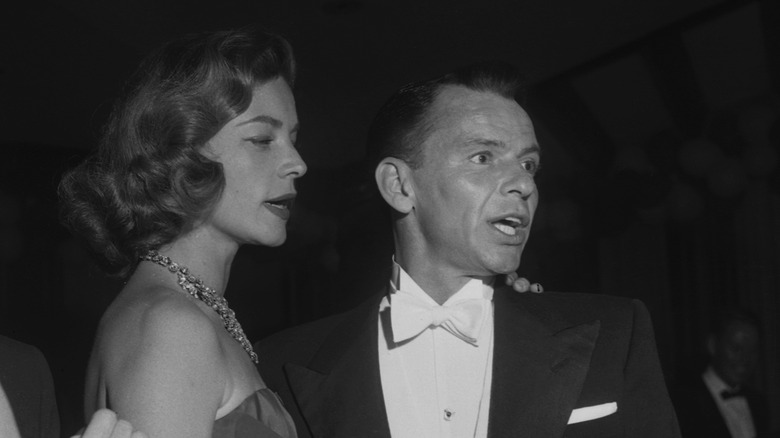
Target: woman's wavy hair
{"points": [[147, 183]]}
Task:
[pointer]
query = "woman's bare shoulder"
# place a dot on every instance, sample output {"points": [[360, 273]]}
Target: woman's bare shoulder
{"points": [[155, 320], [159, 360], [146, 331]]}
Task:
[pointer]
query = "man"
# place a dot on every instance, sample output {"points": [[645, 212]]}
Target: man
{"points": [[28, 388], [719, 403], [444, 351]]}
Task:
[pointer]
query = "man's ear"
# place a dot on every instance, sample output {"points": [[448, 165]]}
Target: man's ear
{"points": [[393, 180]]}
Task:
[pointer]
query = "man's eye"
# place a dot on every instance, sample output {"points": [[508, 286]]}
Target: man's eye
{"points": [[480, 158], [531, 166]]}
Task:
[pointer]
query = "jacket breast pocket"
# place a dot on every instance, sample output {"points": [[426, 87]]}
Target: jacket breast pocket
{"points": [[604, 427]]}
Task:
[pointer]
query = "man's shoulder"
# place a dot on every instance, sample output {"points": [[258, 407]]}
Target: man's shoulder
{"points": [[25, 375], [11, 346], [577, 303], [581, 298], [307, 330], [20, 356], [565, 309]]}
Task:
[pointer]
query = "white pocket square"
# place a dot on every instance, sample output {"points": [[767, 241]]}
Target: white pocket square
{"points": [[592, 412]]}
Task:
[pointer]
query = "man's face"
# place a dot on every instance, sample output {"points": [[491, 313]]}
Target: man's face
{"points": [[735, 353], [475, 194]]}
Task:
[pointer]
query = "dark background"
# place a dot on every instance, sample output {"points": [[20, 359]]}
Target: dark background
{"points": [[658, 120]]}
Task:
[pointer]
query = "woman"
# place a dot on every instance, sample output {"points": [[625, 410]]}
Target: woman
{"points": [[197, 159]]}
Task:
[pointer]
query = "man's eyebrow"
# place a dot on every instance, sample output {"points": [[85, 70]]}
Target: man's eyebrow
{"points": [[534, 148], [481, 141], [276, 123]]}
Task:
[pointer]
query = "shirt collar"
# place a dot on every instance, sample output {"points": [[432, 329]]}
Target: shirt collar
{"points": [[714, 382], [402, 282]]}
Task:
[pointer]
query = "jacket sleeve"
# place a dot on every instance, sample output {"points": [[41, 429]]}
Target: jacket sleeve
{"points": [[27, 381]]}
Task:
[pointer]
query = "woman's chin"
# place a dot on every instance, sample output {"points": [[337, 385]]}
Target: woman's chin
{"points": [[273, 241]]}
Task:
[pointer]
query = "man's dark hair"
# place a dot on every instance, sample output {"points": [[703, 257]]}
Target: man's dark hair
{"points": [[402, 125], [723, 318]]}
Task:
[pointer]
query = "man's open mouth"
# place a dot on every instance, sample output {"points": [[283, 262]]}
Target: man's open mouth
{"points": [[509, 225]]}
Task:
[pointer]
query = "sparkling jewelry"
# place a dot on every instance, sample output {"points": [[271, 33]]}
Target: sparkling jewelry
{"points": [[195, 287]]}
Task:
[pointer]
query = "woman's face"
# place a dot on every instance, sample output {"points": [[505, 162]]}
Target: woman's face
{"points": [[258, 157]]}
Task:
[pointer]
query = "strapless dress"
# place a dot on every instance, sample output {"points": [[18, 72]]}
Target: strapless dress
{"points": [[261, 415]]}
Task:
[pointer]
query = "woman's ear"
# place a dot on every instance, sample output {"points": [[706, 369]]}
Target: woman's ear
{"points": [[393, 178]]}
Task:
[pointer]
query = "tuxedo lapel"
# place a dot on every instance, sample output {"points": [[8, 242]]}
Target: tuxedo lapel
{"points": [[539, 366], [340, 391]]}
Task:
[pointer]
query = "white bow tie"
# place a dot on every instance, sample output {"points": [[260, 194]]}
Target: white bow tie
{"points": [[411, 315]]}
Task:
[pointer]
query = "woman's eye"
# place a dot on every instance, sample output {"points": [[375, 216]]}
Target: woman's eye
{"points": [[264, 141]]}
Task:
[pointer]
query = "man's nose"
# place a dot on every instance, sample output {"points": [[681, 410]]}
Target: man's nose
{"points": [[520, 182]]}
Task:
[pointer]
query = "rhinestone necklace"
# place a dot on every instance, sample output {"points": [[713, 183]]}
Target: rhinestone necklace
{"points": [[195, 287]]}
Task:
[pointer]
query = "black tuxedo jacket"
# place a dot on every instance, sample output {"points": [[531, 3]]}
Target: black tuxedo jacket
{"points": [[553, 352], [699, 415]]}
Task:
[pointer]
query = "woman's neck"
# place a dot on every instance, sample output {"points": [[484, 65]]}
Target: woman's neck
{"points": [[206, 260]]}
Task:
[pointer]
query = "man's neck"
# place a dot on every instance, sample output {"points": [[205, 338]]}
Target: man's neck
{"points": [[438, 294], [438, 284]]}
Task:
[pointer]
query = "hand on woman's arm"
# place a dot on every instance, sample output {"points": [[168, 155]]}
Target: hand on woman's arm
{"points": [[105, 424], [8, 428]]}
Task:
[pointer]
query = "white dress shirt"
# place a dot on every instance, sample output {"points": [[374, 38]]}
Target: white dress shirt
{"points": [[735, 410], [436, 384]]}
